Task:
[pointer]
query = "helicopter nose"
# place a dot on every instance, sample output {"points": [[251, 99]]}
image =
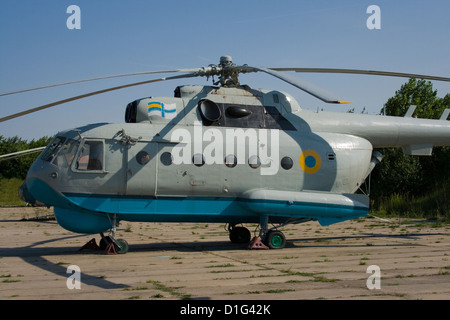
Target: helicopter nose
{"points": [[25, 195], [39, 184]]}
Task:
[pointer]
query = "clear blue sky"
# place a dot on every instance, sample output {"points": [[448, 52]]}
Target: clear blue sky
{"points": [[36, 48]]}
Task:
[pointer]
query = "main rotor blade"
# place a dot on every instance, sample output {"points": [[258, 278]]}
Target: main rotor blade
{"points": [[97, 78], [366, 72], [19, 114], [20, 153], [314, 90]]}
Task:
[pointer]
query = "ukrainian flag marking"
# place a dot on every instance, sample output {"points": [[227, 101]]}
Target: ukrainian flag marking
{"points": [[168, 111], [310, 161], [155, 108]]}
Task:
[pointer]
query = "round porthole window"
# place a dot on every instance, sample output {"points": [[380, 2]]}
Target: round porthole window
{"points": [[230, 161], [166, 158], [143, 157], [254, 162], [286, 163], [198, 159]]}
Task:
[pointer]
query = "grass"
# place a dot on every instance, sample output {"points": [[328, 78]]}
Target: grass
{"points": [[444, 270], [434, 205], [170, 290], [8, 192]]}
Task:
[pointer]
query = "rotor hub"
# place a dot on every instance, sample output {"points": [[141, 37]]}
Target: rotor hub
{"points": [[228, 74], [226, 61]]}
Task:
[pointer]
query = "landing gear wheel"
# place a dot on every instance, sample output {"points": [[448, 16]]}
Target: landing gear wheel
{"points": [[275, 240], [240, 235], [123, 246], [120, 245]]}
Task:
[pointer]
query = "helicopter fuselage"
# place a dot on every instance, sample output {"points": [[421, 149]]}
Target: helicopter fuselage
{"points": [[233, 155]]}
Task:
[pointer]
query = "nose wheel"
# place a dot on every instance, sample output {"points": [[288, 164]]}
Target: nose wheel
{"points": [[113, 246], [109, 243]]}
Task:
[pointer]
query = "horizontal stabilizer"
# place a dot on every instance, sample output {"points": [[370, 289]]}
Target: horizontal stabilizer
{"points": [[418, 149]]}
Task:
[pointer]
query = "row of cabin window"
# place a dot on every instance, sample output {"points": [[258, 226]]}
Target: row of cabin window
{"points": [[89, 160], [230, 160]]}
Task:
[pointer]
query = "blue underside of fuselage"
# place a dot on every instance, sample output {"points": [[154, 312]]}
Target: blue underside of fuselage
{"points": [[93, 213]]}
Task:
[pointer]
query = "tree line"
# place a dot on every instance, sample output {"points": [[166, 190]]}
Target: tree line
{"points": [[418, 183], [18, 167]]}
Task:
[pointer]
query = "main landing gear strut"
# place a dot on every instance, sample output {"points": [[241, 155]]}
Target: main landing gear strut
{"points": [[267, 239]]}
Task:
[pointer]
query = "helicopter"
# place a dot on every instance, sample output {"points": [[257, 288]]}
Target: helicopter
{"points": [[221, 153]]}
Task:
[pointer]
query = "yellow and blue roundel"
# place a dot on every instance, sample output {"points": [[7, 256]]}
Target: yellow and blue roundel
{"points": [[310, 161]]}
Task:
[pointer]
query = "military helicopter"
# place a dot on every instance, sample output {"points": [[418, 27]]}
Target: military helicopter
{"points": [[225, 153]]}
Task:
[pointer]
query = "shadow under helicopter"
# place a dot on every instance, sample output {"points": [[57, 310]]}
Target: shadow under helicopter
{"points": [[214, 246], [34, 255]]}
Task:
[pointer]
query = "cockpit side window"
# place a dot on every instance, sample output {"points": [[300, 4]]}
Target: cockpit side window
{"points": [[90, 157]]}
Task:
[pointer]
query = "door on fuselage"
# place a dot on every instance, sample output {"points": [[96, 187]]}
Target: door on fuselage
{"points": [[141, 169], [190, 178], [171, 178]]}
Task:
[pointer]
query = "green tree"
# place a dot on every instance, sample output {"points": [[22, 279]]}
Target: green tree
{"points": [[410, 175], [18, 167], [397, 173], [421, 94]]}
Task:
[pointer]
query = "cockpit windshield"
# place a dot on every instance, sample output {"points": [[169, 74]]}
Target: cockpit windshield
{"points": [[61, 151], [53, 149]]}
